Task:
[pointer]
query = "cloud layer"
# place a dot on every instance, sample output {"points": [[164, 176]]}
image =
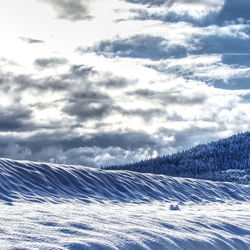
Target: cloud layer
{"points": [[72, 10], [109, 82]]}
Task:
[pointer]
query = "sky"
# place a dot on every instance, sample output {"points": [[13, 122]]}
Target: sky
{"points": [[105, 82]]}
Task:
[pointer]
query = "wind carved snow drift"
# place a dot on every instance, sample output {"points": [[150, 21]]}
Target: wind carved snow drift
{"points": [[48, 206]]}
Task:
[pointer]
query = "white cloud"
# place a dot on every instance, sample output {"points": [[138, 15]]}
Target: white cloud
{"points": [[82, 104], [177, 10], [196, 9]]}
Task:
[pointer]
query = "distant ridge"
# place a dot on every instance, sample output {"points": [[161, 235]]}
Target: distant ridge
{"points": [[223, 160]]}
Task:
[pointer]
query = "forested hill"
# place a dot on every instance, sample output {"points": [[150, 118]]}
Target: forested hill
{"points": [[223, 160]]}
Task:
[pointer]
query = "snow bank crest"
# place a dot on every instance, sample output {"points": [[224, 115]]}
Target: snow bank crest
{"points": [[39, 182]]}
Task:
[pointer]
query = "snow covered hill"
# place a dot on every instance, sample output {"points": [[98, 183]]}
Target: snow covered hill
{"points": [[223, 160], [46, 206], [42, 182]]}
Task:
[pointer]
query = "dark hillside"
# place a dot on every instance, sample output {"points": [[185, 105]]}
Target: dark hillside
{"points": [[223, 160]]}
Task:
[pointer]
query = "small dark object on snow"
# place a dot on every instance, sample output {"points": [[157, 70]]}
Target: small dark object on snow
{"points": [[174, 207]]}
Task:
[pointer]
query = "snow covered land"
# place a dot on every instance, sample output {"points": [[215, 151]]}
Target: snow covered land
{"points": [[48, 206]]}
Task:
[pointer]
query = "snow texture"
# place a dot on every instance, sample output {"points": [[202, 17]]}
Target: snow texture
{"points": [[48, 206]]}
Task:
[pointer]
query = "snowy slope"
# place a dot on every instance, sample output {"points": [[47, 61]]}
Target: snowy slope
{"points": [[72, 207]]}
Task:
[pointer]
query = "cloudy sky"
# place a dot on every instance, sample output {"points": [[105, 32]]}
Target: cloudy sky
{"points": [[99, 82]]}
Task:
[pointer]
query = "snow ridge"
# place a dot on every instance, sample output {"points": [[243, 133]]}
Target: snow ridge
{"points": [[48, 206], [20, 180]]}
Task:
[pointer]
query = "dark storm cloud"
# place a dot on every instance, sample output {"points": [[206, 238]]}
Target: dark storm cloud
{"points": [[88, 104], [85, 74], [91, 150], [14, 84], [95, 151], [103, 148], [139, 46], [108, 80], [31, 40], [15, 119], [143, 93], [85, 111], [84, 149], [17, 83], [80, 71], [24, 82], [146, 114], [72, 10], [49, 62], [126, 140], [114, 82], [81, 101], [171, 96]]}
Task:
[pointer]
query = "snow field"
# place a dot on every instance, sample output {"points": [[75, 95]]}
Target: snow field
{"points": [[46, 206]]}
